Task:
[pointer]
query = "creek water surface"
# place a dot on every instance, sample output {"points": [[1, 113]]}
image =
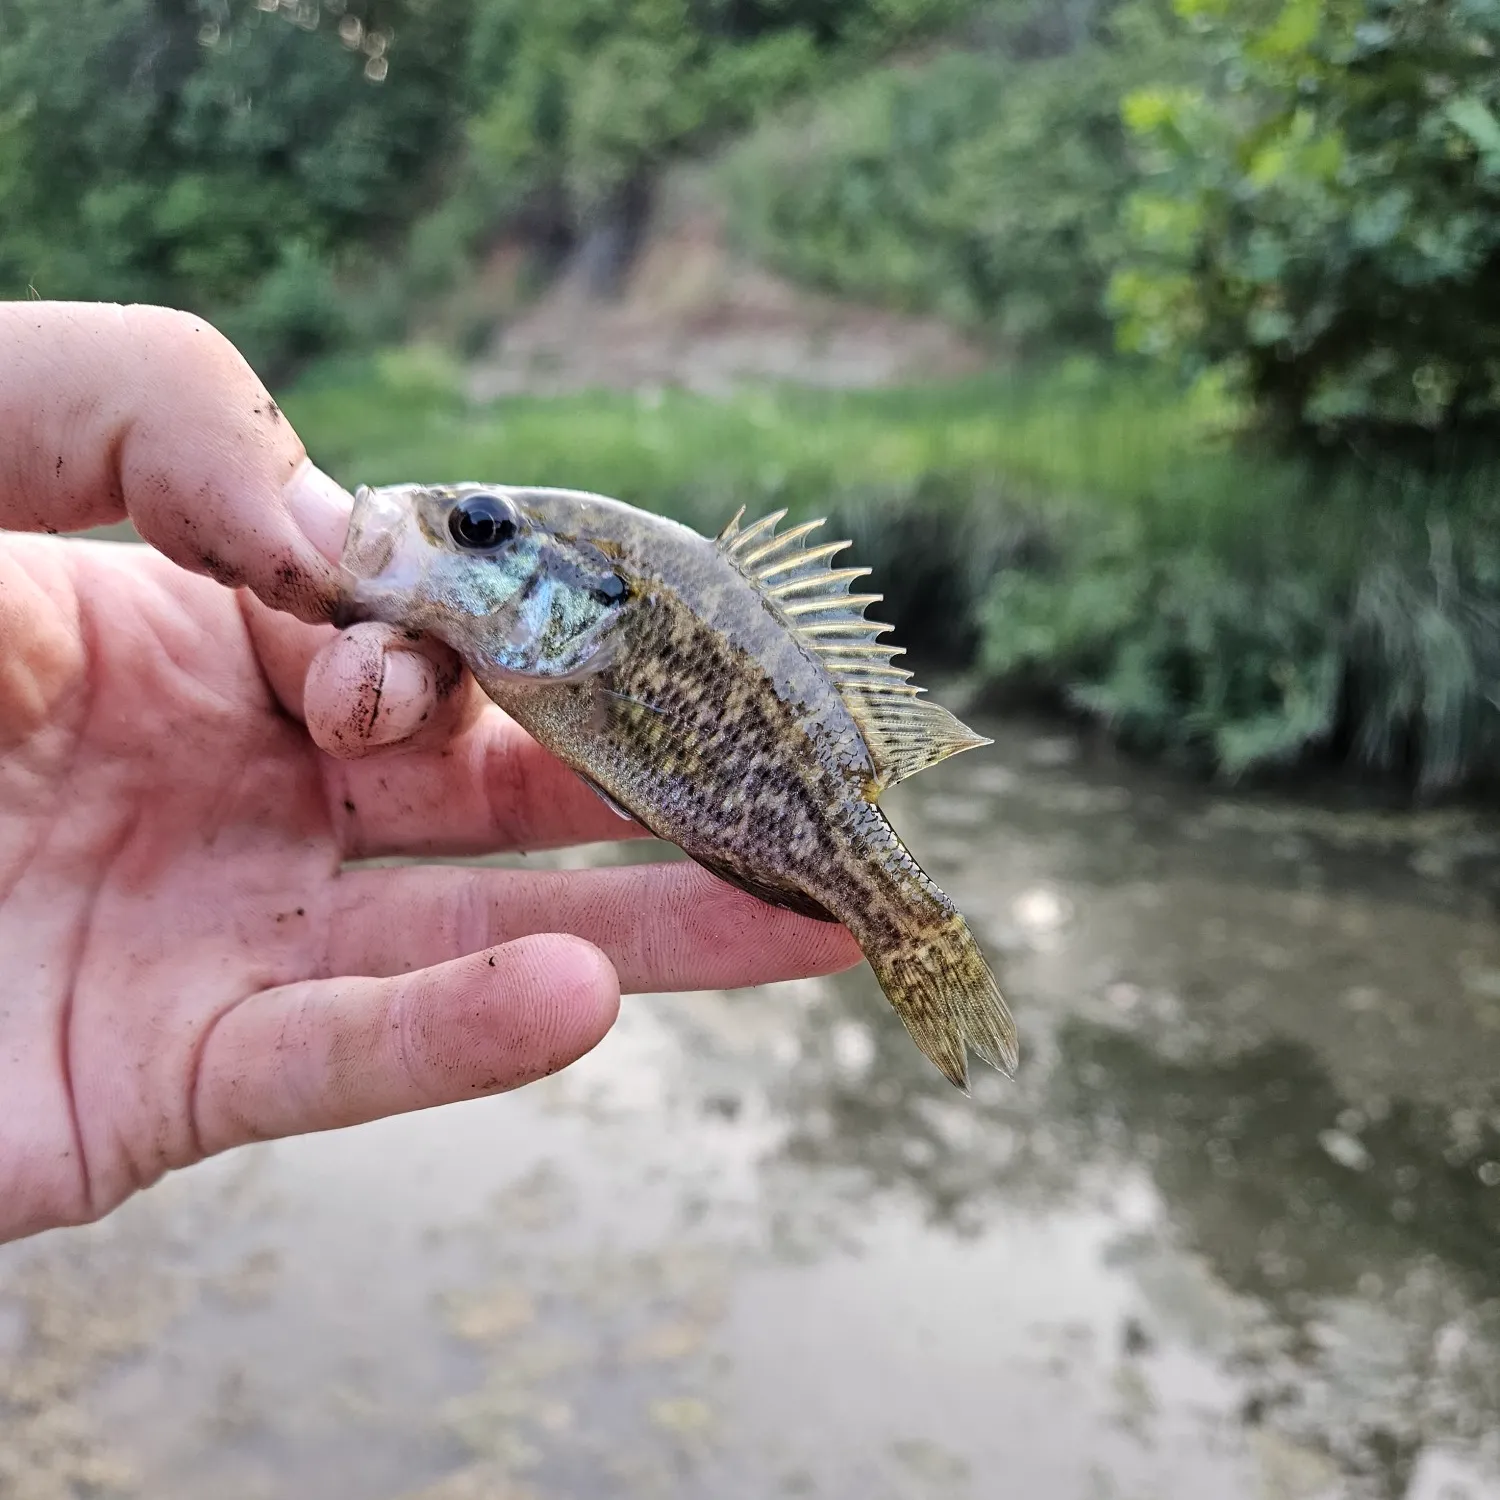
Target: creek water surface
{"points": [[1234, 1232]]}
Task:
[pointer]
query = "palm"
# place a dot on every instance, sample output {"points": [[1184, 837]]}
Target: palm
{"points": [[171, 887]]}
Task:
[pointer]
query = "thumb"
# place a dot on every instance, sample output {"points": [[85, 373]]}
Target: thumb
{"points": [[108, 412], [325, 1054]]}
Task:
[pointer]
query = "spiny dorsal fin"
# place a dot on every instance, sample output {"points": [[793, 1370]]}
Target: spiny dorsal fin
{"points": [[904, 732]]}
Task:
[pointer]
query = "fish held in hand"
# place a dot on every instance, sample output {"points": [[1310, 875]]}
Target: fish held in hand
{"points": [[728, 694]]}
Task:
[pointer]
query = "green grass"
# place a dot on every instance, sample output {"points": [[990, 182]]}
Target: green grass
{"points": [[1084, 531], [402, 416]]}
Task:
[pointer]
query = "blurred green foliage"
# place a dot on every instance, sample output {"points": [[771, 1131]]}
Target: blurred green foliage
{"points": [[978, 185], [220, 154], [583, 101], [1309, 186], [296, 170], [1322, 215]]}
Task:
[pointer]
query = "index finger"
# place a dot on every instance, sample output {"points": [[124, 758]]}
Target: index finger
{"points": [[110, 412]]}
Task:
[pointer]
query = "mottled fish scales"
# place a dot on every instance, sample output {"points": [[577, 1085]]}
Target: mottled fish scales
{"points": [[729, 694]]}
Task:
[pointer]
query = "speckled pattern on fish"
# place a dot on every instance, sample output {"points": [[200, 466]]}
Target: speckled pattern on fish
{"points": [[728, 694]]}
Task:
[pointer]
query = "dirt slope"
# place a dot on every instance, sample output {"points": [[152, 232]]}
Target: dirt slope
{"points": [[695, 314]]}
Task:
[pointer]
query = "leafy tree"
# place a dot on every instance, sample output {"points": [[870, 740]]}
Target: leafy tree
{"points": [[1323, 220], [217, 154]]}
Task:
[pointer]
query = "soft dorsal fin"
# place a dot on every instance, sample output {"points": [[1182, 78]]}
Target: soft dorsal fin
{"points": [[904, 732]]}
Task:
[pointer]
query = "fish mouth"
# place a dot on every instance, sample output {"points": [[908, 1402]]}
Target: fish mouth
{"points": [[382, 554]]}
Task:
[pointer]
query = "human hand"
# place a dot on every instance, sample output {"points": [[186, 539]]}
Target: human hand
{"points": [[188, 755]]}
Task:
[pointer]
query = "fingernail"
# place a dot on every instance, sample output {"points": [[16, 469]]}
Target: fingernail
{"points": [[407, 695], [320, 506]]}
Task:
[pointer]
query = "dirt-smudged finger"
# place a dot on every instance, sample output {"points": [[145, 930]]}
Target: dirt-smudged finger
{"points": [[149, 413], [663, 927], [327, 1054], [372, 687]]}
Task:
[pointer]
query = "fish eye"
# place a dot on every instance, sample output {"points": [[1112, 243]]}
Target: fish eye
{"points": [[610, 589], [479, 523]]}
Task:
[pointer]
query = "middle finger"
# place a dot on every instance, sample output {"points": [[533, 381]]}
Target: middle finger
{"points": [[663, 927]]}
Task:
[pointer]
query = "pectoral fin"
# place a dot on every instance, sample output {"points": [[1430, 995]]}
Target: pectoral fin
{"points": [[605, 798], [768, 889]]}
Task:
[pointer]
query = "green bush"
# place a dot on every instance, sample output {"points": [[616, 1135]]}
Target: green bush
{"points": [[1424, 658], [975, 186], [1284, 615], [294, 313], [1323, 219], [219, 155], [1180, 655]]}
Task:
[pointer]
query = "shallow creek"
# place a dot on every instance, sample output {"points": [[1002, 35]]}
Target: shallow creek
{"points": [[1235, 1231]]}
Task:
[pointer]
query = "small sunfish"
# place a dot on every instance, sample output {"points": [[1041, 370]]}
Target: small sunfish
{"points": [[729, 695]]}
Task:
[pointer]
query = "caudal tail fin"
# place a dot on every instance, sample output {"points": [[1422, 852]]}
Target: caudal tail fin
{"points": [[942, 988]]}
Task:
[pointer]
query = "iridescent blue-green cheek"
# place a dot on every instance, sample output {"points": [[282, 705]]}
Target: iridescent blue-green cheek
{"points": [[529, 606], [564, 625], [526, 611]]}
